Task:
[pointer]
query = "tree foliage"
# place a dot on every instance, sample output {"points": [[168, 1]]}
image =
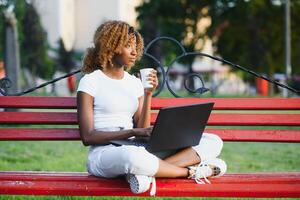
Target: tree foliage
{"points": [[34, 46], [19, 10], [32, 39], [65, 59], [174, 18], [247, 32], [251, 33]]}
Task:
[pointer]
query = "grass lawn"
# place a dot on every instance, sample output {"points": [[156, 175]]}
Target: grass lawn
{"points": [[70, 156]]}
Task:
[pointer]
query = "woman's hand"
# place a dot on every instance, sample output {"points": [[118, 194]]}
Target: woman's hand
{"points": [[152, 78], [142, 132]]}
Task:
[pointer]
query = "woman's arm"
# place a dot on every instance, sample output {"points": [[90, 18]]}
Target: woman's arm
{"points": [[86, 124], [142, 117]]}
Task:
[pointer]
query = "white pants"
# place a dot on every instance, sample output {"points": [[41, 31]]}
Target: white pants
{"points": [[112, 161]]}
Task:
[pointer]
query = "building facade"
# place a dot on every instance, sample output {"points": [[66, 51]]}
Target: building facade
{"points": [[76, 20]]}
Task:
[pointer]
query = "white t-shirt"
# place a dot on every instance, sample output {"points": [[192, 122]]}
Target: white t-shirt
{"points": [[115, 101]]}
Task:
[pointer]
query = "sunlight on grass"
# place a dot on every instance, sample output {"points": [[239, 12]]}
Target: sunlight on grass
{"points": [[42, 156]]}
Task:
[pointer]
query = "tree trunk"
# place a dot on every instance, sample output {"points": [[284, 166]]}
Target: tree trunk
{"points": [[12, 55]]}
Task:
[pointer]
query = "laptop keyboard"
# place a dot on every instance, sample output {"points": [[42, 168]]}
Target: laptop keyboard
{"points": [[137, 142]]}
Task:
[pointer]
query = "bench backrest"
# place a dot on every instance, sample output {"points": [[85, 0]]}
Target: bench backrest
{"points": [[233, 119]]}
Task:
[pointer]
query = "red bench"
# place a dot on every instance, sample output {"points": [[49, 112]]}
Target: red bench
{"points": [[230, 185]]}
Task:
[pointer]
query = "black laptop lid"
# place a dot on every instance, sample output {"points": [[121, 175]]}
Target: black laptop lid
{"points": [[179, 126]]}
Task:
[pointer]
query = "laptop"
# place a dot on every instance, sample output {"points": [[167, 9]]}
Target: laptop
{"points": [[176, 127]]}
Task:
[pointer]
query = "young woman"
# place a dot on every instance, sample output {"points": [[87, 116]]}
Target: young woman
{"points": [[112, 104]]}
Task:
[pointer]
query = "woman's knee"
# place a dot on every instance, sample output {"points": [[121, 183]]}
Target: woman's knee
{"points": [[140, 161], [210, 146], [218, 143], [114, 161]]}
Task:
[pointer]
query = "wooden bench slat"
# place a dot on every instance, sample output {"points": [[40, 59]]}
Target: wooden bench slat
{"points": [[230, 185], [39, 134], [225, 134], [257, 135], [37, 102], [227, 119], [157, 103], [254, 119], [260, 177], [230, 119], [58, 118], [233, 103]]}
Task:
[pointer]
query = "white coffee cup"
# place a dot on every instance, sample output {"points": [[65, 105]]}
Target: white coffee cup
{"points": [[144, 76]]}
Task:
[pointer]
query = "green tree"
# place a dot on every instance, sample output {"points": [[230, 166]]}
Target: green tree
{"points": [[295, 37], [175, 18], [32, 38], [251, 33], [65, 60], [247, 32], [19, 10], [34, 45]]}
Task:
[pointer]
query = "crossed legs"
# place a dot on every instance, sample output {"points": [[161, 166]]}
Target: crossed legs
{"points": [[114, 161], [175, 165]]}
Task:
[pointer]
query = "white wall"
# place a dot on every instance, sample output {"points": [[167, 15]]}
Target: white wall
{"points": [[76, 20], [50, 18], [67, 23], [127, 11], [89, 15]]}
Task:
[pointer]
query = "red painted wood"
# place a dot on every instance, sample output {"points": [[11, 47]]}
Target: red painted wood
{"points": [[38, 118], [225, 134], [233, 103], [227, 119], [255, 119], [230, 185], [257, 135], [37, 102], [220, 103], [39, 134]]}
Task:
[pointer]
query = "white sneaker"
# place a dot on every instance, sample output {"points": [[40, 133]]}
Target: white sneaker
{"points": [[207, 169], [140, 183]]}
